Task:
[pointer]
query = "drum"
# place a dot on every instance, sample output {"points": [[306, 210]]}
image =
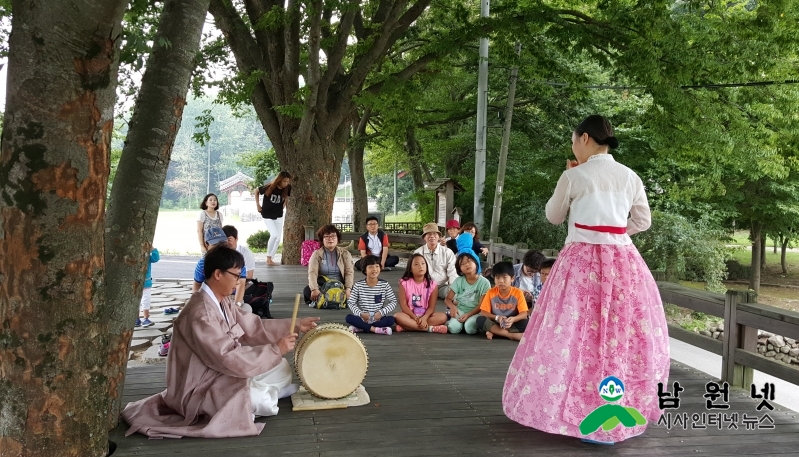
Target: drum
{"points": [[330, 361]]}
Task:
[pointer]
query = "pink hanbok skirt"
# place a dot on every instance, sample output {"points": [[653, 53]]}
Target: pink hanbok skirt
{"points": [[599, 314]]}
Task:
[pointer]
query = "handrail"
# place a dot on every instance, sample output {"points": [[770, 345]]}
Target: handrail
{"points": [[742, 317], [738, 348]]}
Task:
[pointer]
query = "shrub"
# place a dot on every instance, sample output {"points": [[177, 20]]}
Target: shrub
{"points": [[258, 241], [685, 249]]}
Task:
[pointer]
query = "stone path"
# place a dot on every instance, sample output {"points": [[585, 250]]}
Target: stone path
{"points": [[145, 340]]}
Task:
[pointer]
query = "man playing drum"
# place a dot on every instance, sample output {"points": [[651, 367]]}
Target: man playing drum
{"points": [[225, 366]]}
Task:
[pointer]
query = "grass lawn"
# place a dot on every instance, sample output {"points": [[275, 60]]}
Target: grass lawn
{"points": [[741, 238], [407, 216], [773, 271], [176, 231]]}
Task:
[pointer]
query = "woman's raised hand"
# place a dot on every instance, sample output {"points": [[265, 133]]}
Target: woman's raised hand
{"points": [[571, 163]]}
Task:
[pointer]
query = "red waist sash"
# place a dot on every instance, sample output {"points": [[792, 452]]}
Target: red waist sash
{"points": [[602, 228]]}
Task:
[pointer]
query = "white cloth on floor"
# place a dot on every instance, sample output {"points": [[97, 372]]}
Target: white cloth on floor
{"points": [[265, 389]]}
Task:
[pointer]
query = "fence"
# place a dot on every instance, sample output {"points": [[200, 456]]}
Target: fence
{"points": [[405, 228], [741, 314], [742, 319]]}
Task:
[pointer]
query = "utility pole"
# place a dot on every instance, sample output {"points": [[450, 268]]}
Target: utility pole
{"points": [[482, 107], [395, 186], [503, 150], [208, 176]]}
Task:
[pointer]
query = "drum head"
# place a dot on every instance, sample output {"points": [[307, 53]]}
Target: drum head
{"points": [[331, 361]]}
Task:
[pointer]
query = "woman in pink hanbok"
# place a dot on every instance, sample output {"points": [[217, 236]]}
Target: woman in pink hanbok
{"points": [[599, 313]]}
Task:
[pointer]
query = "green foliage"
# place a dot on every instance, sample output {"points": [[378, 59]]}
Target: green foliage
{"points": [[528, 224], [263, 162], [381, 187], [694, 250], [258, 241]]}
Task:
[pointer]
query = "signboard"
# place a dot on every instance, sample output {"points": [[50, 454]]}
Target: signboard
{"points": [[441, 211]]}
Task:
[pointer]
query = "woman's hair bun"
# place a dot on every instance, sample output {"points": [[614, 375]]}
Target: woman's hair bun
{"points": [[611, 141]]}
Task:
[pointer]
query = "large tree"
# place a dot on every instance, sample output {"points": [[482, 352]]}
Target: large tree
{"points": [[55, 340], [139, 181], [72, 277], [303, 65]]}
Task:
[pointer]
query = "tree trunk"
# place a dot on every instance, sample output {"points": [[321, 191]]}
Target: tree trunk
{"points": [[139, 183], [355, 151], [316, 168], [754, 273], [54, 332], [763, 252], [785, 241], [776, 242], [414, 150]]}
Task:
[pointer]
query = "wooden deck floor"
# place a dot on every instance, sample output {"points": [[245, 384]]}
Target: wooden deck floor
{"points": [[435, 394]]}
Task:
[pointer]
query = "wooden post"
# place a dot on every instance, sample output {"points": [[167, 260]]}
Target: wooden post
{"points": [[519, 251], [737, 336], [747, 340], [729, 341]]}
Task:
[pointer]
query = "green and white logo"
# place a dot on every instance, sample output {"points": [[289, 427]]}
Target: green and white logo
{"points": [[609, 416]]}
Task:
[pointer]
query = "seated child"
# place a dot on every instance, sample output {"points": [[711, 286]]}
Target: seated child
{"points": [[371, 300], [527, 276], [418, 294], [503, 311], [463, 299], [476, 246], [546, 267]]}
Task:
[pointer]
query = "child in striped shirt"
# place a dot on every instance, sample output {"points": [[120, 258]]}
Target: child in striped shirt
{"points": [[371, 301]]}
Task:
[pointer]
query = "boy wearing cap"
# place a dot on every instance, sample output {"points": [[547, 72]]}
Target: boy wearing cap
{"points": [[440, 260], [215, 237]]}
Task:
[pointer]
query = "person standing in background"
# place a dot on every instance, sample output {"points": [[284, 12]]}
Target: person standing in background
{"points": [[209, 217], [144, 305], [271, 208]]}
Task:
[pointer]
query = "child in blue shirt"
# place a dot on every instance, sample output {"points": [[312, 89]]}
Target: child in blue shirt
{"points": [[144, 305]]}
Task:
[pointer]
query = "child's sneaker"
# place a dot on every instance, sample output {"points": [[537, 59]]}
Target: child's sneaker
{"points": [[137, 323], [438, 329], [399, 329], [163, 350], [146, 322], [383, 330], [355, 329]]}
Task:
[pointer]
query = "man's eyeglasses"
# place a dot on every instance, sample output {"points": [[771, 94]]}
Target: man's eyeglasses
{"points": [[237, 275]]}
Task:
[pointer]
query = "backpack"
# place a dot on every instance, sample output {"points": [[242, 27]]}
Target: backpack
{"points": [[307, 250], [331, 295], [259, 296]]}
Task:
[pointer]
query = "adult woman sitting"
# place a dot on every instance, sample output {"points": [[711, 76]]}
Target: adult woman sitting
{"points": [[328, 261]]}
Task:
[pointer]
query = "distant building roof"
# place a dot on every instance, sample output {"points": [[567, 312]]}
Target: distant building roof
{"points": [[441, 183], [238, 178]]}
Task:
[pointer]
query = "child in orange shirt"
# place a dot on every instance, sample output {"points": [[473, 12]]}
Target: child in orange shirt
{"points": [[503, 311]]}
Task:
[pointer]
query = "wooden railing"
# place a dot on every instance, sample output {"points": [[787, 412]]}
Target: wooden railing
{"points": [[497, 251], [742, 319], [405, 228], [741, 314]]}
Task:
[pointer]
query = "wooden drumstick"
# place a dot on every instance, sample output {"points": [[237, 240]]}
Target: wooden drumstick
{"points": [[294, 315]]}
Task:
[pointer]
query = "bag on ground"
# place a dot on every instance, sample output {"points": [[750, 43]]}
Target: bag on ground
{"points": [[331, 295], [259, 296]]}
